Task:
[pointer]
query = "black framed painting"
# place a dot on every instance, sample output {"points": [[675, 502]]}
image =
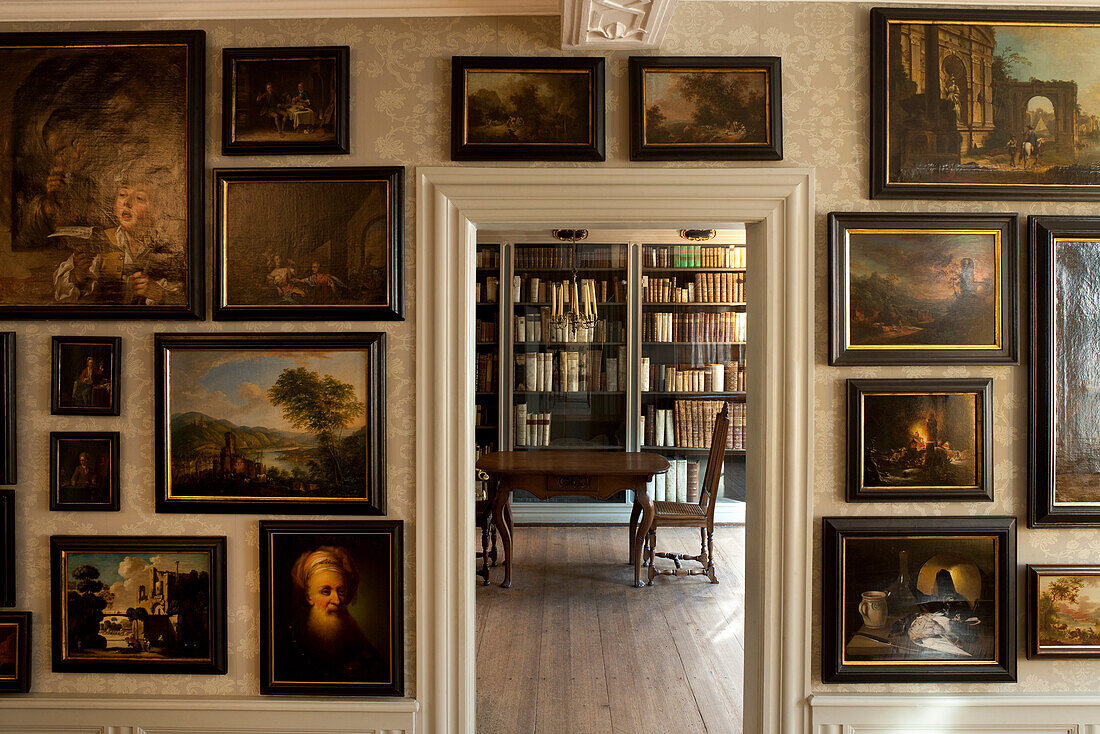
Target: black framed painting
{"points": [[1064, 487], [331, 610], [309, 243], [86, 375], [506, 108], [984, 104], [15, 652], [7, 547], [714, 108], [271, 423], [103, 174], [7, 408], [84, 470], [1063, 602], [920, 440], [138, 604], [918, 599], [922, 289], [283, 100]]}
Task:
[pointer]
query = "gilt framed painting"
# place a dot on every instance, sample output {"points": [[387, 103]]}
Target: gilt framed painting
{"points": [[918, 599], [922, 289], [84, 470], [15, 652], [86, 375], [984, 104], [309, 243], [506, 108], [1063, 611], [285, 100], [920, 440], [7, 407], [271, 423], [102, 175], [331, 611], [7, 547], [715, 108], [138, 604]]}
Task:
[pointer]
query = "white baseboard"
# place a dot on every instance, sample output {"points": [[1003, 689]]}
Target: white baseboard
{"points": [[568, 513], [994, 713], [52, 714]]}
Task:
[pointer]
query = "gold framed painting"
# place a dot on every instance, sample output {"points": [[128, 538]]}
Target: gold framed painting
{"points": [[1063, 611]]}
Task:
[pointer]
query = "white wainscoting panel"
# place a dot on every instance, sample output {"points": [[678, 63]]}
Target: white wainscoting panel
{"points": [[51, 714]]}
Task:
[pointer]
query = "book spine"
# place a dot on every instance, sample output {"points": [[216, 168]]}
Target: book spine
{"points": [[692, 482]]}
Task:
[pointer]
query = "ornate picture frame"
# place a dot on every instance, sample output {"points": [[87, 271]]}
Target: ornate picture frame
{"points": [[1061, 616], [86, 375], [15, 652]]}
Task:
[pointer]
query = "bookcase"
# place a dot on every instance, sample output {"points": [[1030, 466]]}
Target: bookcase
{"points": [[666, 349]]}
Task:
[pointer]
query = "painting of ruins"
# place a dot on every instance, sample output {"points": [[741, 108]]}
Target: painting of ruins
{"points": [[100, 212], [148, 604], [973, 102], [283, 425]]}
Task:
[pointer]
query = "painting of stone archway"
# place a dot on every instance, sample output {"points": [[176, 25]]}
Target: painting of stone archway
{"points": [[985, 104]]}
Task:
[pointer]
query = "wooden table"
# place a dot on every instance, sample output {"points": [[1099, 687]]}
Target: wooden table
{"points": [[548, 474]]}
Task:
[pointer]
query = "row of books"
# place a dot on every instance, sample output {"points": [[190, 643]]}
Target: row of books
{"points": [[487, 291], [487, 330], [485, 373], [532, 428], [529, 288], [714, 377], [689, 424], [704, 288], [581, 370], [481, 417], [540, 328], [588, 256], [660, 326], [693, 256], [679, 484], [488, 258]]}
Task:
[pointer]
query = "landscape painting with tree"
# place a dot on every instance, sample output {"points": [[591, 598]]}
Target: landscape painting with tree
{"points": [[130, 604], [289, 422], [1002, 103], [1064, 609]]}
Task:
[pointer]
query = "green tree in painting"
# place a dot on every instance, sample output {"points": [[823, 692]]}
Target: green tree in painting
{"points": [[727, 106], [321, 405], [86, 599], [1061, 589]]}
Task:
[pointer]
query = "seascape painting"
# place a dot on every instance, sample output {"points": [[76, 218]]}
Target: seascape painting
{"points": [[97, 131], [706, 106], [970, 101], [1068, 612], [937, 289], [922, 440]]}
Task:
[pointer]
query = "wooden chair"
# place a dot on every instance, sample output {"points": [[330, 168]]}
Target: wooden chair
{"points": [[483, 518], [689, 515]]}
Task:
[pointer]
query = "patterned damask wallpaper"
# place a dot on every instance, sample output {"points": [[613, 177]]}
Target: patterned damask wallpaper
{"points": [[400, 116]]}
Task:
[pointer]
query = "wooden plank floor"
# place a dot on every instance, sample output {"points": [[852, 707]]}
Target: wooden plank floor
{"points": [[571, 647]]}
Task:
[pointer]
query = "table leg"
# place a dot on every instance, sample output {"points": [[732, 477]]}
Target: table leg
{"points": [[642, 498], [502, 517]]}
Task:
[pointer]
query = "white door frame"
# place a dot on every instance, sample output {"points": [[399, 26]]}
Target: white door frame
{"points": [[777, 205]]}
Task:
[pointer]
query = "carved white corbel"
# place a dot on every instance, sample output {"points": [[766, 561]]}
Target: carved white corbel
{"points": [[611, 24]]}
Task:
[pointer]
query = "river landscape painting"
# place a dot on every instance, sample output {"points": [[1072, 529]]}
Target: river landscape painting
{"points": [[295, 426]]}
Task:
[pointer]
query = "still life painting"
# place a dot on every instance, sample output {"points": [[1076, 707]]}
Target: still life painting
{"points": [[920, 439], [309, 243], [270, 423], [331, 612], [1063, 611], [915, 599], [86, 375], [922, 288], [138, 604], [285, 100], [985, 104], [15, 657], [705, 108], [508, 108], [84, 470], [101, 176]]}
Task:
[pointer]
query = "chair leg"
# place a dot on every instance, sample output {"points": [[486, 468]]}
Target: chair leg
{"points": [[652, 543], [710, 558], [493, 551]]}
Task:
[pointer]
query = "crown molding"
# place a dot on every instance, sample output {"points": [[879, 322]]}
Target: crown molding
{"points": [[614, 24], [77, 10]]}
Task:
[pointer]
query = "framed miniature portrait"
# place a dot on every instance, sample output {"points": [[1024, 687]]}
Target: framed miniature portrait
{"points": [[86, 375], [920, 440], [271, 423], [7, 407], [138, 604], [103, 156], [331, 611], [15, 652], [918, 599], [84, 470], [7, 547], [309, 243], [1063, 611], [506, 108], [1065, 339], [922, 289], [714, 108], [285, 100], [983, 104]]}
